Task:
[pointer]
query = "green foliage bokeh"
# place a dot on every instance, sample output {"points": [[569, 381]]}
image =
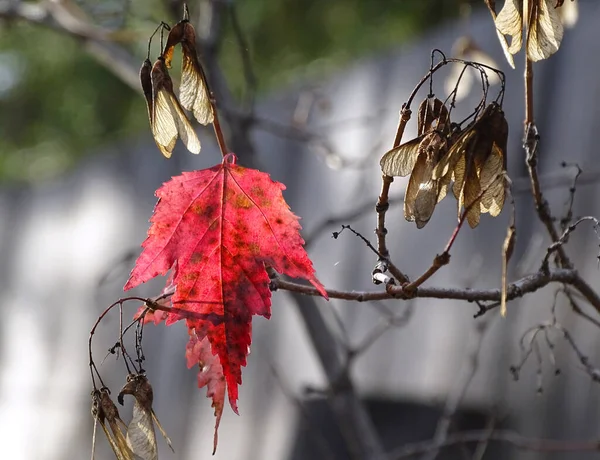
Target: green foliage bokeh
{"points": [[57, 103]]}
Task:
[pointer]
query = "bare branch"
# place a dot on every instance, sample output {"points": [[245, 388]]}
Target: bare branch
{"points": [[519, 288]]}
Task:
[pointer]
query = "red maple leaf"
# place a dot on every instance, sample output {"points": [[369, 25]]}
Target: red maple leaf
{"points": [[210, 375], [217, 229]]}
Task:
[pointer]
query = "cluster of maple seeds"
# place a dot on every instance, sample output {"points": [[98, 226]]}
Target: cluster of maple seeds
{"points": [[167, 118], [542, 21], [136, 440], [473, 158]]}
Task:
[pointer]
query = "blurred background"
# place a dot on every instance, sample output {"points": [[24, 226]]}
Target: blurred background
{"points": [[310, 93]]}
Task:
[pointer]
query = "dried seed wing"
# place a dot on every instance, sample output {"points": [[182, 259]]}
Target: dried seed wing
{"points": [[146, 82], [141, 437], [412, 188], [491, 179], [448, 161], [500, 132], [164, 128], [458, 175], [401, 160], [507, 250], [193, 91], [510, 22], [545, 31], [184, 127], [443, 184], [169, 120], [471, 195], [111, 441], [432, 114], [422, 191], [140, 434], [108, 412], [425, 202], [162, 431]]}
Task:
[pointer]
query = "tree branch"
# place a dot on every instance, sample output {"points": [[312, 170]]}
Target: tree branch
{"points": [[519, 288]]}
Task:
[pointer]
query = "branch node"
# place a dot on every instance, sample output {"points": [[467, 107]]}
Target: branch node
{"points": [[383, 207]]}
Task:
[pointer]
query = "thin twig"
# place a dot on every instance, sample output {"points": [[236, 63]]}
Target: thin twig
{"points": [[557, 245]]}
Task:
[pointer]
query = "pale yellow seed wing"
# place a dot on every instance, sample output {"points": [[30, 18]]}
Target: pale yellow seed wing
{"points": [[184, 127], [492, 183], [545, 31], [164, 128], [401, 160], [510, 22], [170, 122], [193, 93], [509, 57]]}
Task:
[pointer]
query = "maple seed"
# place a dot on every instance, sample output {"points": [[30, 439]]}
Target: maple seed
{"points": [[167, 118], [541, 21], [477, 161], [140, 432], [418, 158], [105, 412], [193, 90]]}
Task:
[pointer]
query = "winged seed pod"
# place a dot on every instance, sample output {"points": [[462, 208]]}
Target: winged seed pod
{"points": [[477, 161], [167, 118], [193, 90], [105, 411], [418, 157], [541, 21], [432, 114], [141, 438]]}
